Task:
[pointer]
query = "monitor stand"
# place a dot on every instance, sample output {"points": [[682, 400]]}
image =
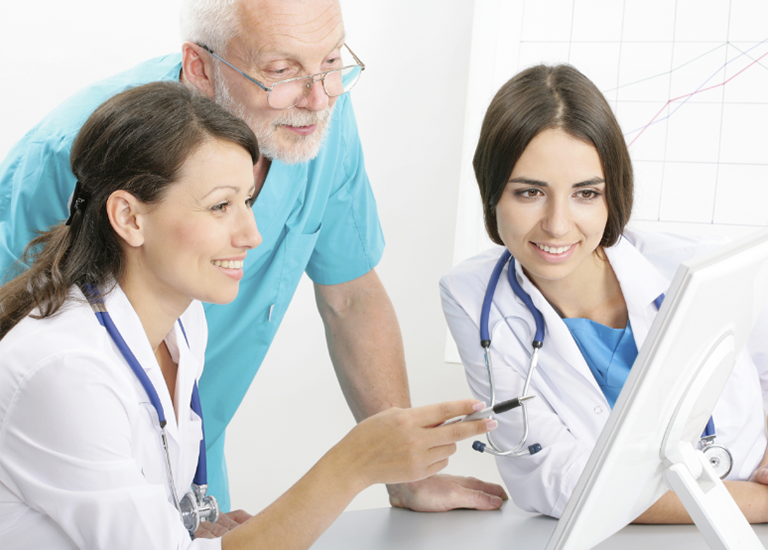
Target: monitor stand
{"points": [[689, 473], [711, 507]]}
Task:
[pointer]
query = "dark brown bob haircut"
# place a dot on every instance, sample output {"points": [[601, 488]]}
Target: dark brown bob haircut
{"points": [[136, 141], [552, 97]]}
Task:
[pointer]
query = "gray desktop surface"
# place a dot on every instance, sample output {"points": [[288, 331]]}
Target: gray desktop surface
{"points": [[507, 529]]}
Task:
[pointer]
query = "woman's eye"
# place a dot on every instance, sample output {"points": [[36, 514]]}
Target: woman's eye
{"points": [[588, 194], [249, 201], [221, 207], [528, 193]]}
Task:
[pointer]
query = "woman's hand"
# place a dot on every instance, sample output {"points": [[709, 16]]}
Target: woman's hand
{"points": [[403, 445]]}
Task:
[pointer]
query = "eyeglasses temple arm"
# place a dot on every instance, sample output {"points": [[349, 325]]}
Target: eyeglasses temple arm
{"points": [[214, 54]]}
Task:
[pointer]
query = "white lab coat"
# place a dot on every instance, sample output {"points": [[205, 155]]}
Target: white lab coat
{"points": [[570, 410], [81, 459]]}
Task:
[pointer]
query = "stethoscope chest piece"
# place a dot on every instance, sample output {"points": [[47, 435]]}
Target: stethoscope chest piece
{"points": [[196, 506], [719, 458]]}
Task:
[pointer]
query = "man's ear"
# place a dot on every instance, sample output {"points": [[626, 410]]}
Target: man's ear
{"points": [[124, 212], [197, 68]]}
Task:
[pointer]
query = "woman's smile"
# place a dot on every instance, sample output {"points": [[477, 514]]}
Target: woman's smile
{"points": [[552, 212]]}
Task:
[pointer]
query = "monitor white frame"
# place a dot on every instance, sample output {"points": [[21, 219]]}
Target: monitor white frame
{"points": [[648, 443]]}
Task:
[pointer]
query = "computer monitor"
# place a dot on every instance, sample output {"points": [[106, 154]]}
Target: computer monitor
{"points": [[649, 442]]}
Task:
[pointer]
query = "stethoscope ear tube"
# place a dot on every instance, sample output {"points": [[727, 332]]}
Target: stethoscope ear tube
{"points": [[485, 342], [485, 339]]}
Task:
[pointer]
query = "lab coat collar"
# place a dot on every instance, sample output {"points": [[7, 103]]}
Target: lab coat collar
{"points": [[128, 323], [641, 283]]}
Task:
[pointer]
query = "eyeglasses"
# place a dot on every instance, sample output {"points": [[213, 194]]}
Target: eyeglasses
{"points": [[289, 93]]}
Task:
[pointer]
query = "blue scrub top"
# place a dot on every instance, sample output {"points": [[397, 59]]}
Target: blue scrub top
{"points": [[319, 217], [609, 353]]}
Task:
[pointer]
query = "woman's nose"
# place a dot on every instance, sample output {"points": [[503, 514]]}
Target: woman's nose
{"points": [[558, 219], [247, 235]]}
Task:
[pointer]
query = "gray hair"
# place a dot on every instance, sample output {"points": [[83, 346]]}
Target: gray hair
{"points": [[210, 22]]}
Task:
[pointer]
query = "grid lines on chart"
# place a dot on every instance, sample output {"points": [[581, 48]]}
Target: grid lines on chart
{"points": [[688, 81]]}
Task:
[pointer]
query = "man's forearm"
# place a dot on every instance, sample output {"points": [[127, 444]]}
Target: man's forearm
{"points": [[365, 344]]}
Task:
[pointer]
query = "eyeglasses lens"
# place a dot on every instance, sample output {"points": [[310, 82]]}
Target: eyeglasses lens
{"points": [[336, 82]]}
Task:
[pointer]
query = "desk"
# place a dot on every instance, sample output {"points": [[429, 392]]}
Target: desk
{"points": [[509, 528]]}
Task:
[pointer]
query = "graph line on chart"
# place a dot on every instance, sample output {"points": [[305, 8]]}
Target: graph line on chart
{"points": [[665, 73], [700, 89]]}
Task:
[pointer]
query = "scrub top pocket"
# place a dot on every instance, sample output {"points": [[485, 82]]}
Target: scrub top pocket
{"points": [[295, 249]]}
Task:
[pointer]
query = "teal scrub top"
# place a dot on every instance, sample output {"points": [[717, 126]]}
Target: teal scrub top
{"points": [[319, 217], [609, 353]]}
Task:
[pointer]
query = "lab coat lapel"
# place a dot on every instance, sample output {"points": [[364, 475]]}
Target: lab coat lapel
{"points": [[189, 423], [563, 370], [641, 283], [128, 323]]}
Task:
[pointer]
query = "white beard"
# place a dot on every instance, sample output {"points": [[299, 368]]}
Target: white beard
{"points": [[300, 149]]}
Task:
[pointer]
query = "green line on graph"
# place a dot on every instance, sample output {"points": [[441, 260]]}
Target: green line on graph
{"points": [[669, 71], [746, 54]]}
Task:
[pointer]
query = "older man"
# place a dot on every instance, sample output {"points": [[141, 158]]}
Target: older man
{"points": [[267, 61]]}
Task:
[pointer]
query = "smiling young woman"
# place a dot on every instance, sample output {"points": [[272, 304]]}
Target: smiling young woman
{"points": [[556, 183], [102, 340]]}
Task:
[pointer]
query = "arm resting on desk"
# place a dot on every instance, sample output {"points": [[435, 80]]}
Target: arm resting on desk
{"points": [[750, 496]]}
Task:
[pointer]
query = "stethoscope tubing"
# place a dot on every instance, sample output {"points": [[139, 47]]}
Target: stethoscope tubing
{"points": [[485, 342], [198, 505], [707, 437]]}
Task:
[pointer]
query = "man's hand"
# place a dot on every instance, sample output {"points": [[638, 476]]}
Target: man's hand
{"points": [[225, 524], [440, 493]]}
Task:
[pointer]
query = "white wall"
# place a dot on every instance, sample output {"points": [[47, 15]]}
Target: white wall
{"points": [[410, 108]]}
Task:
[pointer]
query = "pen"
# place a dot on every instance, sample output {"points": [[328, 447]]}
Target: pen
{"points": [[504, 406]]}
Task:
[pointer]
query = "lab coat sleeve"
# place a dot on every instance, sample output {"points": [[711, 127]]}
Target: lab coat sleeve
{"points": [[542, 482], [66, 450]]}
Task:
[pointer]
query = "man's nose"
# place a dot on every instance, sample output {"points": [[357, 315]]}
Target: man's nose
{"points": [[315, 98]]}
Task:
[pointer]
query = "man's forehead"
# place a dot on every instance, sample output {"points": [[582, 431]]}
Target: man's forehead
{"points": [[290, 27]]}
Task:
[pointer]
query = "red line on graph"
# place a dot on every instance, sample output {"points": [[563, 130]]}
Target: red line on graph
{"points": [[692, 94]]}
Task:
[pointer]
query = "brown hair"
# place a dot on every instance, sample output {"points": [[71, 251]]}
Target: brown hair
{"points": [[136, 141], [552, 97]]}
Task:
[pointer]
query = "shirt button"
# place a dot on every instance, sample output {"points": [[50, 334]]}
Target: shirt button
{"points": [[598, 410]]}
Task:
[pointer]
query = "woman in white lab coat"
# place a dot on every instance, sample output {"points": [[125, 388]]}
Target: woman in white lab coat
{"points": [[160, 219], [556, 183]]}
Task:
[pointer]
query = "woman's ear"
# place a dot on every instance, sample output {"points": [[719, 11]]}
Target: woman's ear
{"points": [[124, 212]]}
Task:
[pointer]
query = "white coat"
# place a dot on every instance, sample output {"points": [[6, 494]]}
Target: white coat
{"points": [[81, 460], [570, 410]]}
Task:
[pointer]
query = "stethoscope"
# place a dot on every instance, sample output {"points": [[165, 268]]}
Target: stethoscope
{"points": [[719, 457], [195, 506]]}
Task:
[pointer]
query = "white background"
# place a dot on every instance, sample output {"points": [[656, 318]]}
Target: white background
{"points": [[432, 68]]}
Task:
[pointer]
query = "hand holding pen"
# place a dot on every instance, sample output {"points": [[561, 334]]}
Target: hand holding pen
{"points": [[488, 411]]}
